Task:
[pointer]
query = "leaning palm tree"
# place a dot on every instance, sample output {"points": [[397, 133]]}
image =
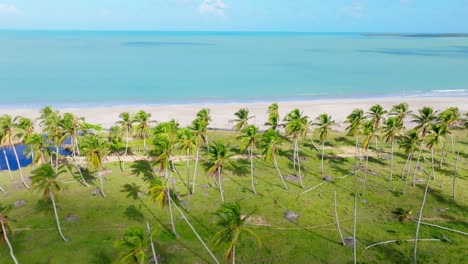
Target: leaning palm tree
{"points": [[323, 124], [160, 193], [126, 127], [248, 142], [376, 114], [6, 230], [296, 126], [392, 129], [95, 149], [36, 148], [45, 180], [242, 119], [7, 130], [219, 158], [425, 120], [204, 117], [355, 120], [270, 143], [232, 224], [25, 125], [199, 126], [142, 129], [435, 137], [369, 131], [133, 245]]}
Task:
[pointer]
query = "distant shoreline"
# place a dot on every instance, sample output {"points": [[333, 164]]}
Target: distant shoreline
{"points": [[223, 112]]}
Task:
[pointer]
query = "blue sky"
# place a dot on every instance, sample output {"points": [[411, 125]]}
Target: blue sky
{"points": [[238, 15]]}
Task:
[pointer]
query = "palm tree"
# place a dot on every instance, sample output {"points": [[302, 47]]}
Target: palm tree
{"points": [[126, 125], [369, 131], [242, 119], [248, 141], [271, 142], [198, 127], [376, 114], [355, 120], [134, 245], [219, 158], [50, 123], [409, 143], [6, 230], [45, 180], [392, 129], [7, 130], [165, 142], [450, 117], [204, 117], [296, 127], [323, 124], [25, 125], [187, 144], [424, 122], [95, 149], [400, 111], [232, 224], [273, 117], [160, 193], [37, 148], [142, 130], [435, 137]]}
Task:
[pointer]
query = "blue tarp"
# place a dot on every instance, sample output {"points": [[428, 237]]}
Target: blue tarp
{"points": [[24, 161]]}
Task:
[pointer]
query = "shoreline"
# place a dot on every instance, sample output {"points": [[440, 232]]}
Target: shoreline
{"points": [[223, 112]]}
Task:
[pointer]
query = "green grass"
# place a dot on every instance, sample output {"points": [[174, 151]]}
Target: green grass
{"points": [[313, 238]]}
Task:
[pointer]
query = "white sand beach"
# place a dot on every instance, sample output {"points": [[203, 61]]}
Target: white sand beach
{"points": [[222, 113]]}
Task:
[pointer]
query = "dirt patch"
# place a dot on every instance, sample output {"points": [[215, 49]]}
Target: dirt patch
{"points": [[256, 221]]}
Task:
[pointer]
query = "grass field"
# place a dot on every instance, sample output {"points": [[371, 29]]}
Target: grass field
{"points": [[312, 238]]}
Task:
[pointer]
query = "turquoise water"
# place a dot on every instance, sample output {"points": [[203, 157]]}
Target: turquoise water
{"points": [[73, 67]]}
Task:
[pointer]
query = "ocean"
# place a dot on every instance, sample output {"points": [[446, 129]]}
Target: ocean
{"points": [[79, 68]]}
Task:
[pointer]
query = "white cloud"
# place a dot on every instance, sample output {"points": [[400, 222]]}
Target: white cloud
{"points": [[356, 9], [9, 9], [215, 7]]}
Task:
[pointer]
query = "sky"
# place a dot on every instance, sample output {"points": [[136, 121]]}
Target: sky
{"points": [[398, 16]]}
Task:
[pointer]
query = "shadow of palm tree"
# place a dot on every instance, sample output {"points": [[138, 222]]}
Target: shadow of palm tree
{"points": [[144, 169], [132, 213]]}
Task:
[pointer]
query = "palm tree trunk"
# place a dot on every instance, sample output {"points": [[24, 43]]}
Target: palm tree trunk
{"points": [[77, 146], [102, 185], [144, 142], [252, 171], [442, 155], [196, 233], [234, 254], [391, 166], [294, 156], [51, 195], [323, 152], [220, 184], [168, 193], [56, 158], [337, 221], [189, 191], [195, 169], [365, 171], [299, 165], [279, 172], [417, 164], [408, 162], [355, 156], [415, 252], [5, 237], [354, 228], [8, 164], [451, 139], [19, 167], [126, 149], [376, 146], [79, 170], [2, 190], [432, 163], [155, 257], [455, 175]]}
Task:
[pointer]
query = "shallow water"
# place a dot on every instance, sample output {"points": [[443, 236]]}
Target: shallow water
{"points": [[105, 68]]}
